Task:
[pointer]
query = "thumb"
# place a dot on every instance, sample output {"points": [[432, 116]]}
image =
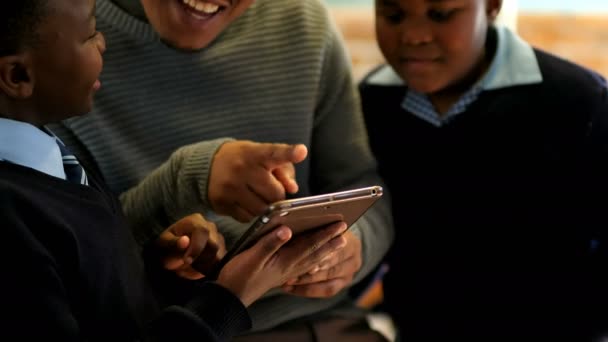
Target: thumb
{"points": [[168, 241], [273, 155], [270, 243], [181, 242]]}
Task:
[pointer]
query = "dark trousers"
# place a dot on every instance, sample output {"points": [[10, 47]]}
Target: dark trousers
{"points": [[331, 329]]}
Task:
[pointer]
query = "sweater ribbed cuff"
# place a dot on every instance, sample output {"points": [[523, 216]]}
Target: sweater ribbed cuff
{"points": [[220, 309], [191, 166]]}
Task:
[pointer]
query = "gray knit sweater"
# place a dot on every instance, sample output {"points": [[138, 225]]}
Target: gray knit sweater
{"points": [[278, 74]]}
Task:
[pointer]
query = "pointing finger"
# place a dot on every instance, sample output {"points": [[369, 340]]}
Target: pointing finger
{"points": [[274, 155]]}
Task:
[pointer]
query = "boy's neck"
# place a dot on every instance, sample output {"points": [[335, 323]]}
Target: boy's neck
{"points": [[444, 100], [17, 113]]}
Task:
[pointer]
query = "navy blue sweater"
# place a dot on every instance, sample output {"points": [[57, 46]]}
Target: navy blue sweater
{"points": [[72, 271], [502, 208]]}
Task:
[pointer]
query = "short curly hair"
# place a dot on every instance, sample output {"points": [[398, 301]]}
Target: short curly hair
{"points": [[19, 21]]}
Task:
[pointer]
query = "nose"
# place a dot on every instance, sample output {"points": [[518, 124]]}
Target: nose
{"points": [[416, 32], [101, 43]]}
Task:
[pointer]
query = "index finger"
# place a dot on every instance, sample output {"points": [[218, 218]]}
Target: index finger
{"points": [[273, 155]]}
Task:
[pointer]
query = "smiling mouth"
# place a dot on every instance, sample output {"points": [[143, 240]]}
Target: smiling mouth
{"points": [[201, 9], [419, 60]]}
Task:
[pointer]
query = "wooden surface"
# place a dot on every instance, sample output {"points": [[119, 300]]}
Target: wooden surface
{"points": [[582, 39]]}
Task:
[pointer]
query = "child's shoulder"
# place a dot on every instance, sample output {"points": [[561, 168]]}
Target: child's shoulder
{"points": [[561, 73]]}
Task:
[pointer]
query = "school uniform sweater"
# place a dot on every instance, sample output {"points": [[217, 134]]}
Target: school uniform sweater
{"points": [[72, 271], [279, 73], [502, 208]]}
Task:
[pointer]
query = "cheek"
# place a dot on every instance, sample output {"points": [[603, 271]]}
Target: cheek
{"points": [[163, 17], [154, 9], [388, 42], [91, 64], [458, 47]]}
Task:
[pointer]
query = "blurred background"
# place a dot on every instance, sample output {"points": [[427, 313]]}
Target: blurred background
{"points": [[574, 29]]}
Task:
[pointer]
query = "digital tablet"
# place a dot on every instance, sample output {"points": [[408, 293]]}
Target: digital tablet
{"points": [[305, 213]]}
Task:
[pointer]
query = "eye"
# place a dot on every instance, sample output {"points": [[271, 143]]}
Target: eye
{"points": [[392, 16], [440, 16]]}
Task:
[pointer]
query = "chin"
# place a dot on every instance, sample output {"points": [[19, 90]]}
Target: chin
{"points": [[187, 45], [423, 88], [85, 110], [188, 41]]}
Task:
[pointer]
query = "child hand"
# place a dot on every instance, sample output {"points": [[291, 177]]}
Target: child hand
{"points": [[272, 261], [190, 247]]}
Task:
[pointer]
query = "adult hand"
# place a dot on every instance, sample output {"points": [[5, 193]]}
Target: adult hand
{"points": [[246, 177], [272, 261], [190, 247], [333, 274]]}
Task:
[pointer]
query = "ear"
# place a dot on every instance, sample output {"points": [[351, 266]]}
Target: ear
{"points": [[16, 76], [493, 8]]}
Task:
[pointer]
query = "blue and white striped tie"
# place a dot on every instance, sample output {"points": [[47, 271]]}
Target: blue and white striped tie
{"points": [[73, 170]]}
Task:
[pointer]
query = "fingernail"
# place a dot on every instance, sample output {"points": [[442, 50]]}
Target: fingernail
{"points": [[314, 270], [188, 260], [283, 234]]}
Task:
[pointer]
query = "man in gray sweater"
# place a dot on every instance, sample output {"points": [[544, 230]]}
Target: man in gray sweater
{"points": [[196, 94]]}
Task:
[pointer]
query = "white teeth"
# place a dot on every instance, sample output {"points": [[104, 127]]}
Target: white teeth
{"points": [[202, 6]]}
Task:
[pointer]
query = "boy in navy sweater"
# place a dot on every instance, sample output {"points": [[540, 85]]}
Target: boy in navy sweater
{"points": [[71, 269], [496, 154]]}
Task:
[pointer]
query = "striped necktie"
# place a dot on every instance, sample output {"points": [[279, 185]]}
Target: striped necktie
{"points": [[74, 172]]}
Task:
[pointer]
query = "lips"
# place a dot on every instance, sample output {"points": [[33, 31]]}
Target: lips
{"points": [[416, 65], [419, 59], [218, 2], [198, 19], [96, 85], [203, 7]]}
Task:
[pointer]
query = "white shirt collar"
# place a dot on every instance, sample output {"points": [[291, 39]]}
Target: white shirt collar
{"points": [[514, 63]]}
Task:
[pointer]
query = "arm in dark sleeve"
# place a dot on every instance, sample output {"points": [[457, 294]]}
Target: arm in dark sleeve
{"points": [[35, 299], [597, 219], [39, 302], [215, 315], [598, 170]]}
